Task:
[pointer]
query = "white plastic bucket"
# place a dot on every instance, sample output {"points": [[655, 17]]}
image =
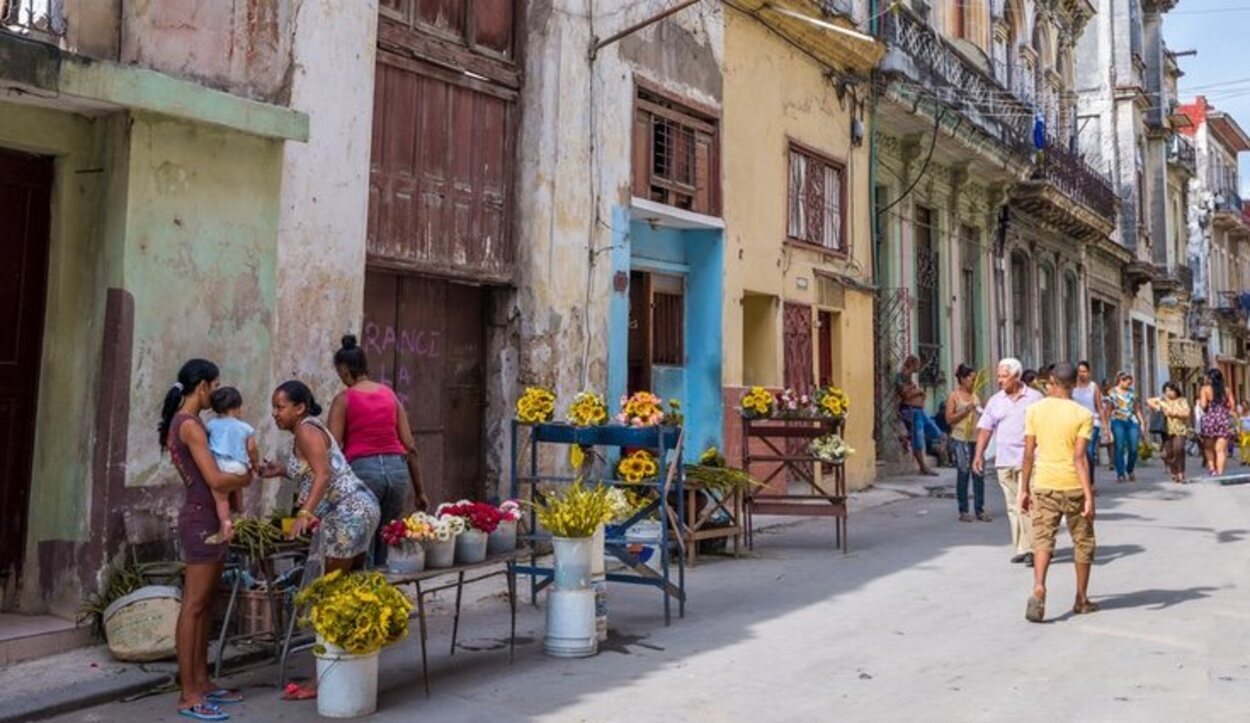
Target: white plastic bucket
{"points": [[471, 547], [643, 541], [503, 539], [407, 559], [440, 553], [570, 624], [572, 562], [347, 685]]}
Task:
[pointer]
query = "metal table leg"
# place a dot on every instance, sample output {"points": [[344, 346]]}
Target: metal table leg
{"points": [[225, 623], [455, 625], [512, 606], [425, 663]]}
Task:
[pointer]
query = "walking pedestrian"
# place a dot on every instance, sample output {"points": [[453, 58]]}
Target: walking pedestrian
{"points": [[1244, 439], [1218, 427], [1127, 422], [335, 505], [1055, 484], [183, 435], [963, 409], [1088, 394], [1108, 441], [911, 400], [372, 427], [1003, 418], [1175, 411]]}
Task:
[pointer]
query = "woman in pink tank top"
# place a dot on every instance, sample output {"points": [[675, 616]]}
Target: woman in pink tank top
{"points": [[372, 428]]}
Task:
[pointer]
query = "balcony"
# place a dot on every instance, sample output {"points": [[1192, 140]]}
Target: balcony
{"points": [[917, 56], [1228, 307], [1229, 213], [1067, 192], [1182, 154], [1173, 279], [38, 19], [1184, 354]]}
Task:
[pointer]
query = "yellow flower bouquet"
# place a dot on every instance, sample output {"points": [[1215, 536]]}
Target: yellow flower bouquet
{"points": [[576, 511], [536, 405], [832, 402], [757, 403], [588, 410], [359, 612], [637, 467]]}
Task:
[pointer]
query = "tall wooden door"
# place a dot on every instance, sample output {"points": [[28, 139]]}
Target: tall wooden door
{"points": [[426, 338], [25, 188], [797, 332]]}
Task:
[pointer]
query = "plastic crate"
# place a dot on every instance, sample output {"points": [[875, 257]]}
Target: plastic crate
{"points": [[254, 613]]}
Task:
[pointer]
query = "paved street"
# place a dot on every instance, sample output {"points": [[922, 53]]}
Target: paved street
{"points": [[922, 621]]}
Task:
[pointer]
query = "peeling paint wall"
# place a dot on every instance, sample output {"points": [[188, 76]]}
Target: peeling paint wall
{"points": [[775, 95], [567, 189], [240, 46], [200, 258], [325, 194]]}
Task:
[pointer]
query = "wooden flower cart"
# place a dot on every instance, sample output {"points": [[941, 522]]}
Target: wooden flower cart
{"points": [[773, 447]]}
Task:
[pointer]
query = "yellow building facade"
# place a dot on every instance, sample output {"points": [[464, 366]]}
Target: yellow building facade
{"points": [[798, 257]]}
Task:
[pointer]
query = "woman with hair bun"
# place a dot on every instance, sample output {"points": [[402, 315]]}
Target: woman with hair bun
{"points": [[333, 504], [371, 424]]}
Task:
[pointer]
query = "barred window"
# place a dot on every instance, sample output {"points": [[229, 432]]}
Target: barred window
{"points": [[676, 155], [815, 200]]}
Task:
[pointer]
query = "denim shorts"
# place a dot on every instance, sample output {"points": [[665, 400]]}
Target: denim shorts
{"points": [[386, 475]]}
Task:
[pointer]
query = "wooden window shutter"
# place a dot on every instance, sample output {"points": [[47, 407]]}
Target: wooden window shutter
{"points": [[641, 170]]}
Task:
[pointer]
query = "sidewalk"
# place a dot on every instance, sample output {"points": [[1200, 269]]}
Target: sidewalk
{"points": [[89, 676]]}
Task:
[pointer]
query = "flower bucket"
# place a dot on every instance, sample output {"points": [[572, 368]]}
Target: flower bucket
{"points": [[643, 541], [599, 582], [570, 624], [406, 559], [572, 562], [347, 685], [503, 539], [471, 547], [440, 553]]}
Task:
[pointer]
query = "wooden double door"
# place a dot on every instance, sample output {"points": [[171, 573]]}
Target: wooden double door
{"points": [[25, 210]]}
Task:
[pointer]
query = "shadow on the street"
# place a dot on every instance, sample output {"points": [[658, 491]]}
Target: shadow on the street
{"points": [[1155, 599], [1226, 536], [1105, 516]]}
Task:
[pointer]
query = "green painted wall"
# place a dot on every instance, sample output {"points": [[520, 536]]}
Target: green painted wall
{"points": [[201, 243]]}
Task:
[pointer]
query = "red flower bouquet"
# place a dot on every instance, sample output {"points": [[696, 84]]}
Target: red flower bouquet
{"points": [[478, 515]]}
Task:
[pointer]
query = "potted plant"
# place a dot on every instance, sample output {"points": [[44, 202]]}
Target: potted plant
{"points": [[573, 515], [406, 537], [503, 539], [441, 551], [354, 615], [480, 519]]}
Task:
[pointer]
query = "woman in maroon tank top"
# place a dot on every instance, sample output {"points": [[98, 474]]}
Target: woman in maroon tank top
{"points": [[183, 435], [372, 428]]}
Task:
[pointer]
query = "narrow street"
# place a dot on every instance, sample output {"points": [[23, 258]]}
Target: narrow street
{"points": [[924, 620]]}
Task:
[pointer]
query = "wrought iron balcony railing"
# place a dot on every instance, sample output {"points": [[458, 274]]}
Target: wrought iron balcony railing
{"points": [[1070, 173], [917, 52], [1181, 151], [1228, 201], [43, 19], [1176, 277]]}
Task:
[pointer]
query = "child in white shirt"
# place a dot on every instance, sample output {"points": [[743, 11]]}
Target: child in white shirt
{"points": [[233, 444]]}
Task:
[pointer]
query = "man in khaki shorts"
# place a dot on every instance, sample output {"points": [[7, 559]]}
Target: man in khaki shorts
{"points": [[1054, 485]]}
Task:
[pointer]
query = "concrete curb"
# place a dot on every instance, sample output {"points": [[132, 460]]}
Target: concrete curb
{"points": [[81, 695]]}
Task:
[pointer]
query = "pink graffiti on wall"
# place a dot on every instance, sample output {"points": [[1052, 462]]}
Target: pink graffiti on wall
{"points": [[412, 344]]}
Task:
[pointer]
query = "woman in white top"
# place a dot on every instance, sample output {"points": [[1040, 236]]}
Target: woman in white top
{"points": [[1088, 395]]}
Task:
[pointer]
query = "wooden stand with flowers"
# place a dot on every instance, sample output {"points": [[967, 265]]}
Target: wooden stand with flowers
{"points": [[774, 424], [642, 425]]}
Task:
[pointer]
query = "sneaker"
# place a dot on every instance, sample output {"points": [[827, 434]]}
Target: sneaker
{"points": [[1021, 557], [1028, 559]]}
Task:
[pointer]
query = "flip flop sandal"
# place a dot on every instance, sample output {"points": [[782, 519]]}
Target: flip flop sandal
{"points": [[222, 695], [294, 691], [1086, 608], [203, 711], [1035, 612]]}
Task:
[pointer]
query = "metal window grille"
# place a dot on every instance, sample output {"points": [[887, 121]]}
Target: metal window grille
{"points": [[1020, 308], [815, 200], [928, 339], [33, 17]]}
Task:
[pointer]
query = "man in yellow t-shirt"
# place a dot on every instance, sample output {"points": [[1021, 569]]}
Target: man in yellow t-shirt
{"points": [[1055, 484]]}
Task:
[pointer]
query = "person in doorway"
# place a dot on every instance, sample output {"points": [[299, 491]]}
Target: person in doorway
{"points": [[1003, 418], [963, 409], [1127, 423], [372, 427], [1108, 434], [1088, 394], [335, 505], [1175, 411], [911, 400], [183, 435], [1218, 427], [1054, 485]]}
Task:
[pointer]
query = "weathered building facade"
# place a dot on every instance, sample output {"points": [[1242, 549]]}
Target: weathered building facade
{"points": [[620, 236], [798, 272], [987, 213]]}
